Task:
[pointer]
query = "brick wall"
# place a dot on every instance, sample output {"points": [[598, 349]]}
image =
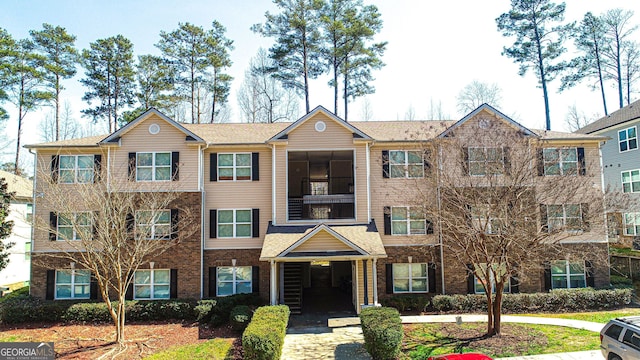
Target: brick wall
{"points": [[400, 254], [244, 257]]}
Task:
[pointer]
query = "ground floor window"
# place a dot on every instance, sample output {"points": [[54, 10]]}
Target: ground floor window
{"points": [[567, 275], [73, 284], [152, 284], [408, 278], [632, 224], [479, 289], [233, 280]]}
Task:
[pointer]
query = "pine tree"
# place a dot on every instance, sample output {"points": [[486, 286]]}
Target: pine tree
{"points": [[5, 225]]}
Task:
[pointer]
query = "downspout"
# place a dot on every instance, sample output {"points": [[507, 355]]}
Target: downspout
{"points": [[439, 194], [604, 204], [368, 185], [33, 209], [364, 277], [374, 273], [273, 184], [202, 214]]}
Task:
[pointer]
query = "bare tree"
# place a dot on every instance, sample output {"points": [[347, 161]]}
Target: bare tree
{"points": [[576, 119], [366, 111], [435, 111], [64, 127], [410, 114], [111, 230], [477, 93]]}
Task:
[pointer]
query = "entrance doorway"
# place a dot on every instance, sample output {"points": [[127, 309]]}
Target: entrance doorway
{"points": [[329, 288]]}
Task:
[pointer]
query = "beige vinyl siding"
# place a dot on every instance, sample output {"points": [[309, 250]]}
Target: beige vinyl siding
{"points": [[361, 283], [361, 210], [281, 185], [169, 139], [322, 241], [245, 194], [306, 137]]}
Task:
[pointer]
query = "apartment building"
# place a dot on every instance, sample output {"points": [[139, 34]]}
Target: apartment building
{"points": [[286, 208]]}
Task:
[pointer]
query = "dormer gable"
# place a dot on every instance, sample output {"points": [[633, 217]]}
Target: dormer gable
{"points": [[484, 117], [323, 238]]}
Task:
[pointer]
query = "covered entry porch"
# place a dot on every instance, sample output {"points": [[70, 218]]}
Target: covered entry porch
{"points": [[332, 265]]}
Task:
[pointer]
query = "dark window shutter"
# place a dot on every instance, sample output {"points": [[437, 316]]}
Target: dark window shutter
{"points": [[547, 276], [132, 166], [213, 167], [465, 161], [53, 223], [128, 295], [431, 278], [97, 168], [429, 227], [507, 160], [51, 284], [540, 163], [255, 279], [387, 220], [175, 219], [173, 284], [586, 224], [471, 280], [544, 223], [588, 269], [175, 166], [130, 223], [213, 223], [389, 278], [385, 163], [255, 166], [426, 161], [212, 281], [55, 167], [255, 222], [514, 281], [582, 167], [94, 225], [93, 289]]}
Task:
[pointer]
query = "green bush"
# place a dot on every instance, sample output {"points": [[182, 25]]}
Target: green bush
{"points": [[382, 331], [264, 336], [619, 282], [23, 292], [28, 309], [216, 311], [178, 309], [240, 317], [559, 300], [87, 313], [406, 302]]}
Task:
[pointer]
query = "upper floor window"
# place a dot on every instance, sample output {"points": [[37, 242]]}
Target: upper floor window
{"points": [[74, 226], [234, 166], [410, 278], [567, 216], [234, 223], [499, 271], [409, 221], [153, 224], [406, 164], [153, 166], [72, 284], [486, 161], [76, 169], [486, 221], [632, 224], [567, 275], [232, 280], [152, 284], [627, 139], [631, 181], [560, 161]]}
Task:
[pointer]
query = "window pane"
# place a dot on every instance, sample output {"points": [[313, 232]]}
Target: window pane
{"points": [[576, 268], [225, 289], [163, 217], [225, 174], [400, 270], [243, 174], [631, 132], [161, 276], [559, 282], [145, 159], [419, 285], [243, 230], [494, 154], [65, 233], [397, 157], [477, 168], [142, 292], [633, 144], [572, 210], [419, 270], [558, 267], [81, 291], [225, 231], [243, 160], [225, 159], [85, 162], [66, 176], [163, 173], [416, 171], [417, 227], [554, 211], [414, 157], [142, 277], [399, 228], [243, 288], [476, 154], [577, 281], [623, 146], [397, 171], [550, 154], [569, 154], [85, 176], [161, 292], [243, 273], [225, 216], [83, 276], [622, 135], [63, 277], [243, 216], [63, 291], [398, 213], [144, 174], [163, 159], [635, 186], [552, 169], [225, 274], [635, 175], [570, 168], [67, 162]]}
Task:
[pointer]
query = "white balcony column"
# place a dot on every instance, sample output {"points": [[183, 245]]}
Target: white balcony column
{"points": [[374, 273], [273, 285]]}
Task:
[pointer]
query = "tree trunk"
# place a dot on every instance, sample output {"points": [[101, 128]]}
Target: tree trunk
{"points": [[16, 168], [57, 100], [543, 80], [604, 100], [619, 70], [346, 87], [120, 321], [497, 310], [335, 87]]}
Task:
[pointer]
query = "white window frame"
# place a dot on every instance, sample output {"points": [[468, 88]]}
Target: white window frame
{"points": [[154, 166], [479, 289], [152, 284], [234, 223], [408, 220], [410, 278], [564, 219], [154, 226], [631, 222], [561, 161], [74, 225], [73, 284], [628, 139], [482, 219], [234, 167], [485, 163], [567, 274], [406, 165], [234, 280], [76, 170], [630, 183]]}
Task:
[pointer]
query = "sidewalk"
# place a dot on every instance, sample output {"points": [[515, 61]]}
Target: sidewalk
{"points": [[342, 338]]}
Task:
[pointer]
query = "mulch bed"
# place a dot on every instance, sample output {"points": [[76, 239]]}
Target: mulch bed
{"points": [[90, 341]]}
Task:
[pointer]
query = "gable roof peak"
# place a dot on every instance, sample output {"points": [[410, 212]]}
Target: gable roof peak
{"points": [[282, 135], [491, 109]]}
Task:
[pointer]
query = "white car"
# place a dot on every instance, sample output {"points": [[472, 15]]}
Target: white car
{"points": [[620, 339]]}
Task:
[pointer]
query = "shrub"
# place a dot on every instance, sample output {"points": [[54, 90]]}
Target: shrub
{"points": [[28, 309], [217, 311], [23, 292], [619, 282], [240, 317], [406, 302], [87, 312], [178, 309], [264, 336], [382, 331]]}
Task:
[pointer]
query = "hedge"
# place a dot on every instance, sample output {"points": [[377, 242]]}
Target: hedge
{"points": [[217, 311], [406, 302], [240, 317], [382, 331], [264, 336], [559, 300]]}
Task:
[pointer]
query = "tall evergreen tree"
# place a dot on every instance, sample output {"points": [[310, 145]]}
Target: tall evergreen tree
{"points": [[538, 43], [297, 43], [618, 27], [60, 59], [219, 59], [155, 79], [349, 27], [7, 50], [631, 66], [5, 225], [589, 38], [109, 76]]}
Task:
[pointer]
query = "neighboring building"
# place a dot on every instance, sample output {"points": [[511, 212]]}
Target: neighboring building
{"points": [[621, 171], [17, 272], [303, 205]]}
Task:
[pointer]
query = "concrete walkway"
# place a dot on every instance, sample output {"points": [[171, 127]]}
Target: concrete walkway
{"points": [[342, 338]]}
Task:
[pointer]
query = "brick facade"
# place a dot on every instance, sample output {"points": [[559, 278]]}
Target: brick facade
{"points": [[244, 257], [400, 254]]}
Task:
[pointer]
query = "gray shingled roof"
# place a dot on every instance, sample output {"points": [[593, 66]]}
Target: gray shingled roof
{"points": [[23, 188], [627, 113]]}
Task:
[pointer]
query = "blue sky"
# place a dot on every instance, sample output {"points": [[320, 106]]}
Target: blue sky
{"points": [[435, 48]]}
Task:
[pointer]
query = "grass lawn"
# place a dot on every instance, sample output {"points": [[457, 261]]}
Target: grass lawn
{"points": [[595, 316], [216, 349], [424, 340]]}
